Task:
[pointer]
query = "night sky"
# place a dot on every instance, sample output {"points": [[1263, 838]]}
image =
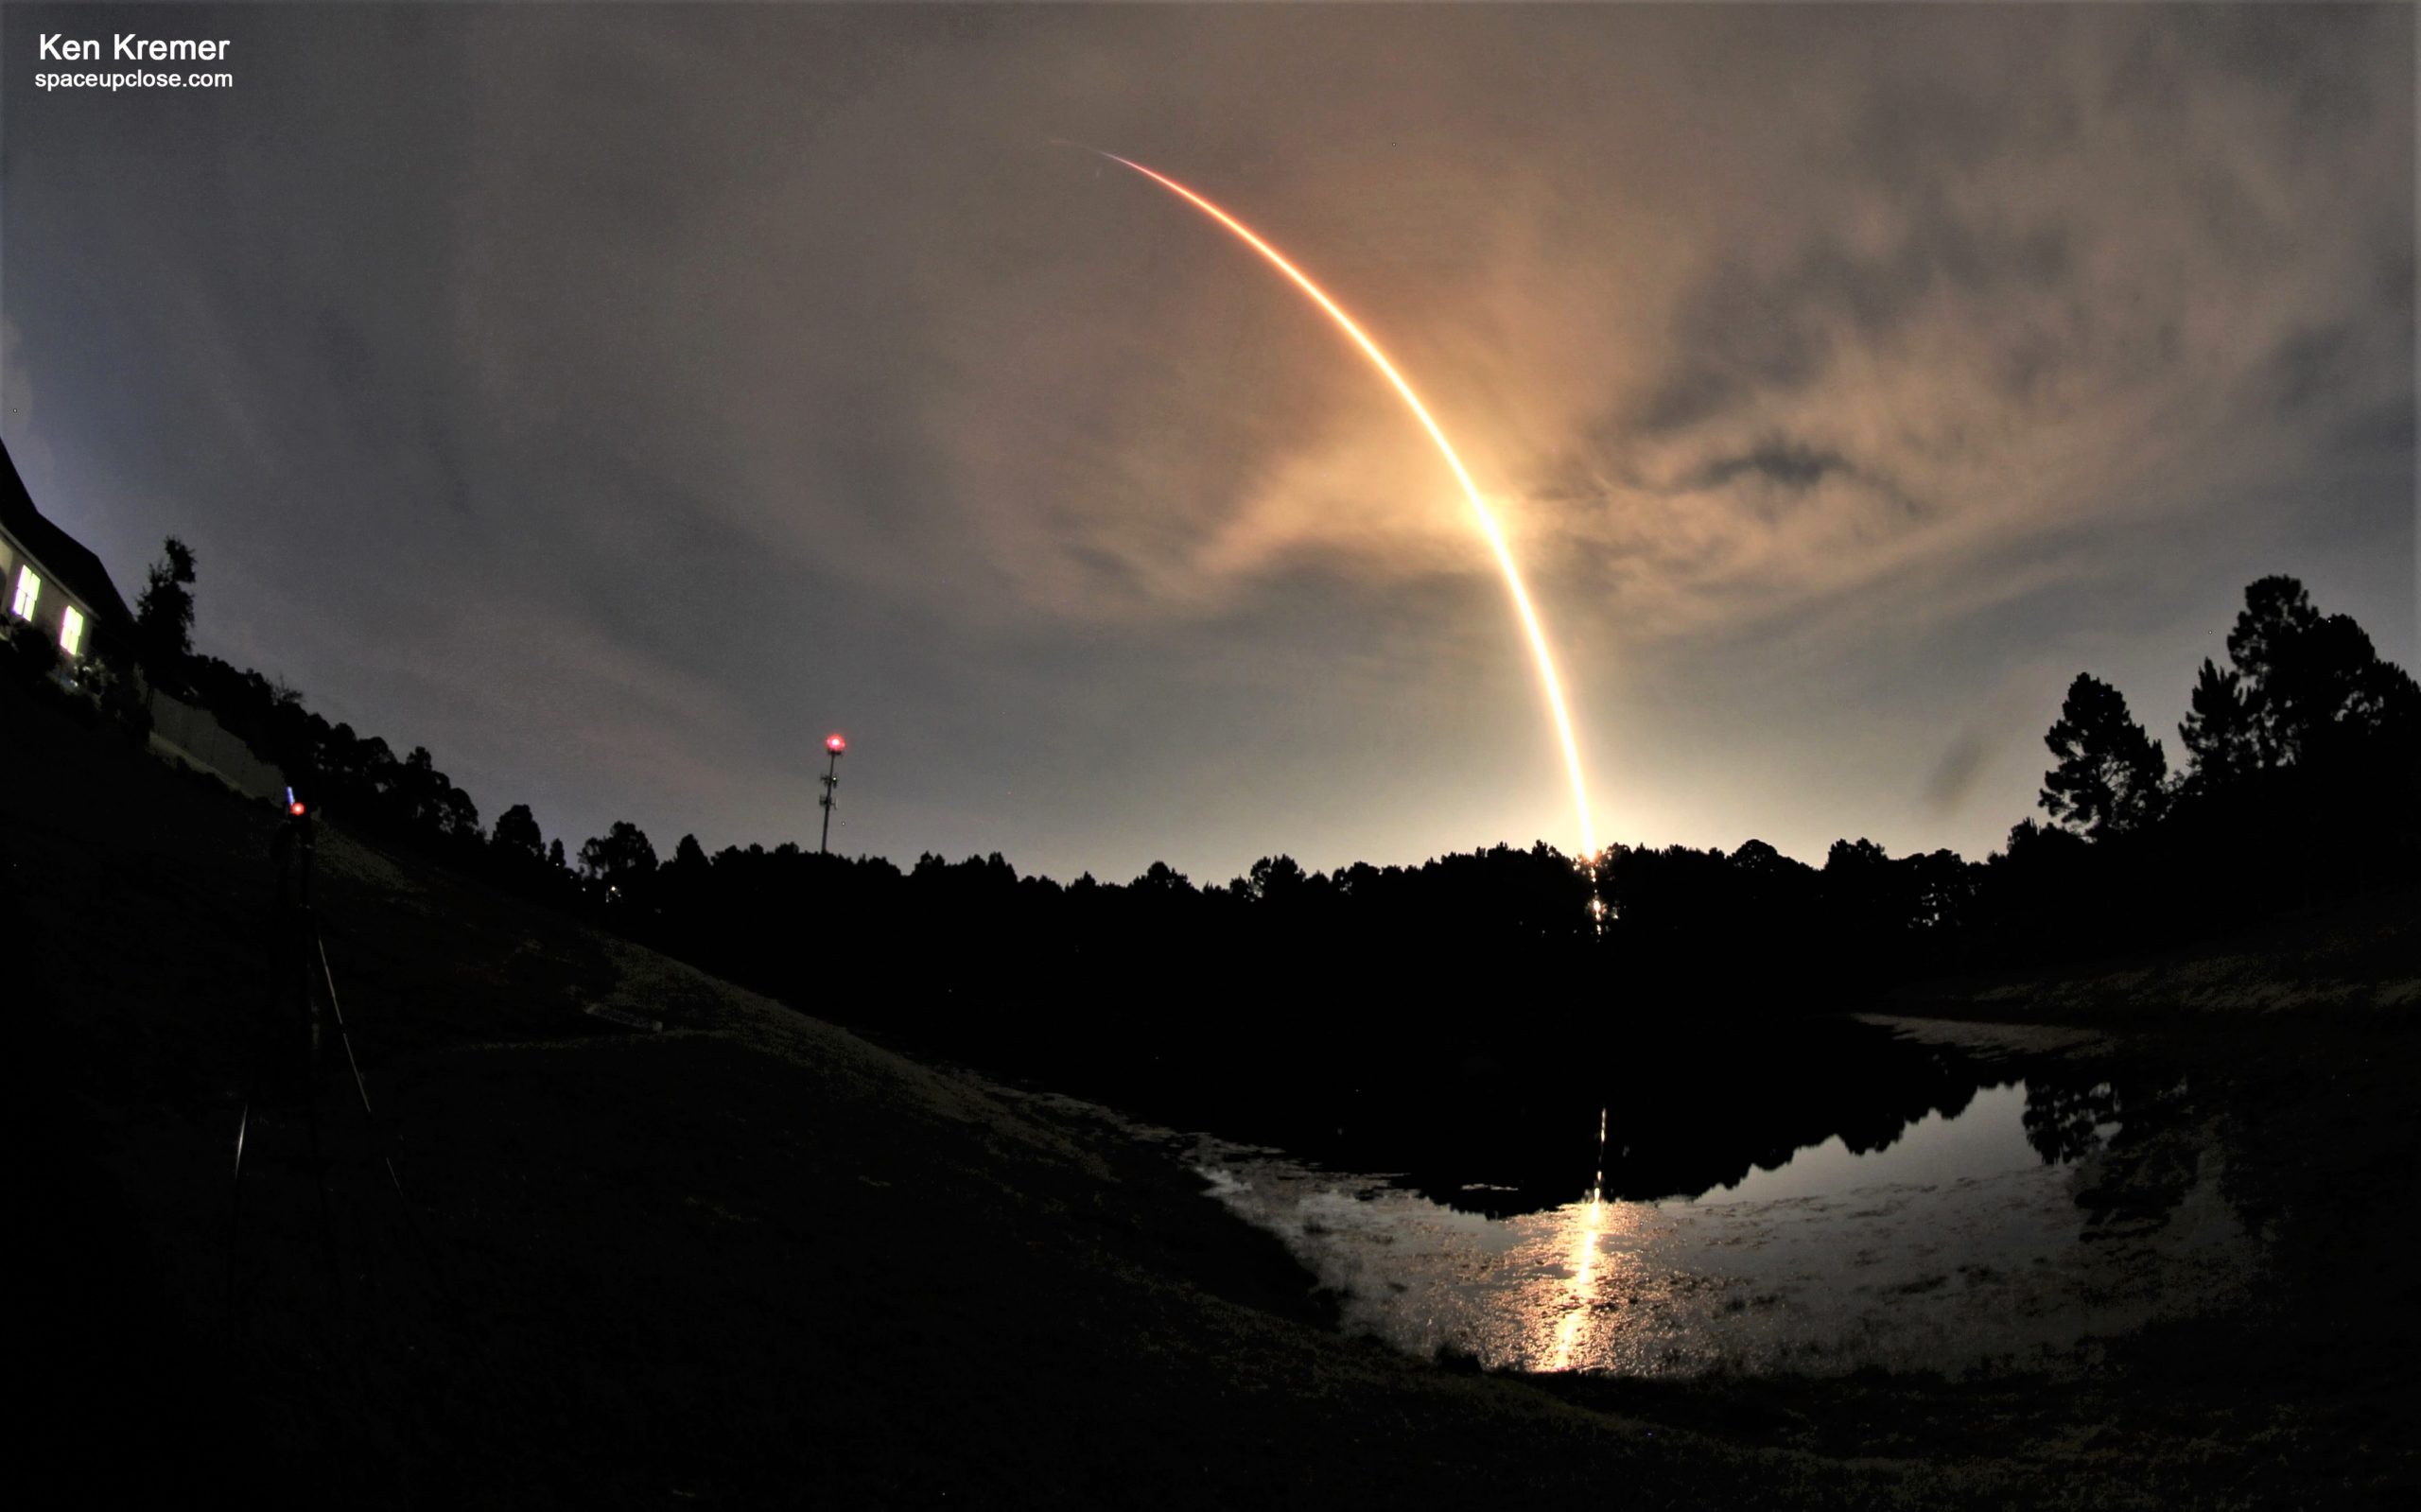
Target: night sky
{"points": [[615, 400]]}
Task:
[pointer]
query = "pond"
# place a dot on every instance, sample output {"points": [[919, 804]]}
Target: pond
{"points": [[1851, 1198]]}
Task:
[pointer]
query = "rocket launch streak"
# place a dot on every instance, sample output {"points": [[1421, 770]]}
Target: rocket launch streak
{"points": [[1487, 526]]}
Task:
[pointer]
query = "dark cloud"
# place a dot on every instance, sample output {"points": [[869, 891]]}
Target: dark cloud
{"points": [[2311, 365], [1954, 772], [2383, 431], [1791, 464], [1742, 333], [2279, 49]]}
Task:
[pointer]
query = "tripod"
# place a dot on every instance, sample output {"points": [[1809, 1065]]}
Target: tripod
{"points": [[302, 1008]]}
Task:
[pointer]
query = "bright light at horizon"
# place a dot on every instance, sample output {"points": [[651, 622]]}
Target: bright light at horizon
{"points": [[1487, 526]]}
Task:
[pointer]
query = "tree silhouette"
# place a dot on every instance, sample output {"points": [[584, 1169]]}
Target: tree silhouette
{"points": [[1160, 877], [685, 878], [1275, 879], [2313, 684], [1940, 890], [1850, 856], [516, 835], [2112, 777], [2304, 749], [2307, 713], [620, 857], [2033, 842], [163, 612], [2218, 734], [424, 799], [2267, 648]]}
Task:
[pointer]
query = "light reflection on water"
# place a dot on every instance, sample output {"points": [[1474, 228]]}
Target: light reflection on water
{"points": [[1957, 1246], [1590, 1241]]}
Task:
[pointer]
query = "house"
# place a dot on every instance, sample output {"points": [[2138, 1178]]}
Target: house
{"points": [[53, 579]]}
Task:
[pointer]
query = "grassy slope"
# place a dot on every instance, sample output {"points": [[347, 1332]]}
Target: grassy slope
{"points": [[752, 1259]]}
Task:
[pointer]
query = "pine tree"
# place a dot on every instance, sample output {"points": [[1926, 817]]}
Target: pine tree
{"points": [[163, 612], [516, 835], [2112, 778], [2309, 688], [2220, 736]]}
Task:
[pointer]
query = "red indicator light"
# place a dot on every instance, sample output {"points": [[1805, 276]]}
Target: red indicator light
{"points": [[835, 744], [295, 808]]}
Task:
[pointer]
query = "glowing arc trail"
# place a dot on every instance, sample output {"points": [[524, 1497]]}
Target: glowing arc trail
{"points": [[1530, 615]]}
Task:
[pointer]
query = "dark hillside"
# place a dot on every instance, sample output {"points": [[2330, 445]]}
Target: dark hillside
{"points": [[753, 1260], [748, 1260]]}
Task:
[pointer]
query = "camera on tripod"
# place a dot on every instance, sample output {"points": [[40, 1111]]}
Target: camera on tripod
{"points": [[292, 850]]}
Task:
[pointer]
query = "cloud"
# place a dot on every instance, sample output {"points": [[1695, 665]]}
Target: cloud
{"points": [[27, 446], [1789, 465], [2155, 282], [752, 350], [1718, 347]]}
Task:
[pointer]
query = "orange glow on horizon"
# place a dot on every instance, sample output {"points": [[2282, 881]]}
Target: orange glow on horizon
{"points": [[1487, 526]]}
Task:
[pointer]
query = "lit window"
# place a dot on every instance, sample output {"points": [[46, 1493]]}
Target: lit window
{"points": [[71, 631], [29, 589]]}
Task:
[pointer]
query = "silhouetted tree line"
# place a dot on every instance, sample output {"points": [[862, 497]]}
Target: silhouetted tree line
{"points": [[1444, 1018], [356, 779], [2300, 763], [2302, 783]]}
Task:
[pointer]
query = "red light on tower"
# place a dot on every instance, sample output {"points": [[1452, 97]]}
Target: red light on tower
{"points": [[295, 808], [833, 745]]}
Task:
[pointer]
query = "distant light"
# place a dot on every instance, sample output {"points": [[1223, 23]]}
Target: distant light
{"points": [[295, 808], [835, 744]]}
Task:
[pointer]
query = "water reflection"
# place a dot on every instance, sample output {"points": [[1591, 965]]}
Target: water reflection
{"points": [[1986, 1134], [1932, 1210], [1683, 1114], [1585, 1264]]}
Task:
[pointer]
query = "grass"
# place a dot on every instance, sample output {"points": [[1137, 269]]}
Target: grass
{"points": [[756, 1260]]}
